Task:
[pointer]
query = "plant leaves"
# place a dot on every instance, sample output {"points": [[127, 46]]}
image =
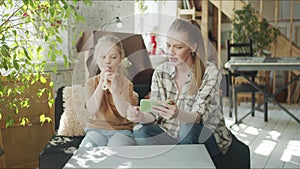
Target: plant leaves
{"points": [[27, 43], [43, 79]]}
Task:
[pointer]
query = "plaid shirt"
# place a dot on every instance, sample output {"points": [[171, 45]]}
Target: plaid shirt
{"points": [[206, 101]]}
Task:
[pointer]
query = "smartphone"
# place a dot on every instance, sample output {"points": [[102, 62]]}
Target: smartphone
{"points": [[146, 104]]}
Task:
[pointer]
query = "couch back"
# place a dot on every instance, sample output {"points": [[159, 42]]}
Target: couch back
{"points": [[134, 48]]}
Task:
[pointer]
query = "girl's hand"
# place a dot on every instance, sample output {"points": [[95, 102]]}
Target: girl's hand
{"points": [[108, 80], [115, 82], [105, 73], [167, 110], [134, 114]]}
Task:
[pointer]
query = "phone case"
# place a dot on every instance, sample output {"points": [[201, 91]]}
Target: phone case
{"points": [[145, 105]]}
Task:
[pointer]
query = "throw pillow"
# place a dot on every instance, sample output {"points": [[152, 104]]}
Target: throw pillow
{"points": [[74, 117]]}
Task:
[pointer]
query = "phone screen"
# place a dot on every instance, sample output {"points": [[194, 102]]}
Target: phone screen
{"points": [[145, 105]]}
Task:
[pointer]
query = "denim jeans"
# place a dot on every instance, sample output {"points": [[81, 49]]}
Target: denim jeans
{"points": [[188, 134], [98, 137]]}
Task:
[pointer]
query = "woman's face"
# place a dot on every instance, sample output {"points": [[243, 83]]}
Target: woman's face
{"points": [[109, 57], [178, 52]]}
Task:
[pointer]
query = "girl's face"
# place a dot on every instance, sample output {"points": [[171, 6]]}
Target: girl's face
{"points": [[109, 57], [178, 52]]}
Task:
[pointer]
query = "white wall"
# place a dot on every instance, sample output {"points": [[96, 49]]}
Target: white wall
{"points": [[169, 10], [156, 20], [99, 13]]}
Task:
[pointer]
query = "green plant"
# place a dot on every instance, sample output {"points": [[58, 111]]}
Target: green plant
{"points": [[141, 6], [29, 37], [246, 25]]}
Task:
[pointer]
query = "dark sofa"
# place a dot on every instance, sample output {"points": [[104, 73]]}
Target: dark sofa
{"points": [[60, 148]]}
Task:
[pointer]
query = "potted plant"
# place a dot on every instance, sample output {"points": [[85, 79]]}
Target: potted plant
{"points": [[246, 25], [29, 37]]}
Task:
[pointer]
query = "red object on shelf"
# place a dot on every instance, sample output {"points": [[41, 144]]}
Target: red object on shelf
{"points": [[153, 42]]}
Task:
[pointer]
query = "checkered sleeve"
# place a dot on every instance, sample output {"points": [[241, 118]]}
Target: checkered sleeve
{"points": [[207, 99]]}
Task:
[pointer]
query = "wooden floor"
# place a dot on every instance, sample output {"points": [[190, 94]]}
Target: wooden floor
{"points": [[273, 144]]}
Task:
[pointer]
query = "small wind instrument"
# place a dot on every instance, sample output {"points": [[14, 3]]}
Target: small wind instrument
{"points": [[104, 85]]}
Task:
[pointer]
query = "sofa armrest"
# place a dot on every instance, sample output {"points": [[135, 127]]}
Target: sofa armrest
{"points": [[59, 109]]}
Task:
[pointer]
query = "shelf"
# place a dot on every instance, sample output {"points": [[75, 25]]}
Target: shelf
{"points": [[188, 12]]}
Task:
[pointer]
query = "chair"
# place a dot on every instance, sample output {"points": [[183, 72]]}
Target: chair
{"points": [[242, 50]]}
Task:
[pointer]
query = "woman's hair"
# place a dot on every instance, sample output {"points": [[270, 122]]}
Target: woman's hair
{"points": [[193, 38], [194, 22]]}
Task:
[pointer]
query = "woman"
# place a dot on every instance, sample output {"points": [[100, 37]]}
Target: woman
{"points": [[190, 82], [108, 96]]}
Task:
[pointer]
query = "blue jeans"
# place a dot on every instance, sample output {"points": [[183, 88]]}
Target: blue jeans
{"points": [[188, 134], [98, 137]]}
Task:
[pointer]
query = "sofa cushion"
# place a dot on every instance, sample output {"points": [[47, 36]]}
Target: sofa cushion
{"points": [[74, 107]]}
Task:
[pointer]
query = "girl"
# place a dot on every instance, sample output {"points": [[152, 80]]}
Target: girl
{"points": [[108, 96]]}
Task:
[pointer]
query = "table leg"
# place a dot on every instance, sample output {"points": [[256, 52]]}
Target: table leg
{"points": [[270, 97], [286, 110]]}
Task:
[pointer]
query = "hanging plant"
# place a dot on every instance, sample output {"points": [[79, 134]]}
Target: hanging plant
{"points": [[141, 6], [30, 33]]}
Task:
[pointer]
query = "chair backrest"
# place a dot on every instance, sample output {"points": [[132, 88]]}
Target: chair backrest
{"points": [[244, 49]]}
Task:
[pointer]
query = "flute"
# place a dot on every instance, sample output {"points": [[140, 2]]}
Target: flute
{"points": [[104, 85]]}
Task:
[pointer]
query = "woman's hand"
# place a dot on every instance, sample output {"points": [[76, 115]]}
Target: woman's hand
{"points": [[167, 110], [134, 114]]}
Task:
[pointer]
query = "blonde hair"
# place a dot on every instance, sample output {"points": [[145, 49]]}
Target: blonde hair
{"points": [[108, 38], [193, 38], [195, 23], [96, 57]]}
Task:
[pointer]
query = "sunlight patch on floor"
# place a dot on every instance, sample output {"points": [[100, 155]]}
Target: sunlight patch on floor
{"points": [[274, 135], [292, 149], [252, 130], [239, 127], [265, 147], [243, 135]]}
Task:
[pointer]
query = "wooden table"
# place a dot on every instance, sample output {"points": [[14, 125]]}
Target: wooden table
{"points": [[151, 156]]}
